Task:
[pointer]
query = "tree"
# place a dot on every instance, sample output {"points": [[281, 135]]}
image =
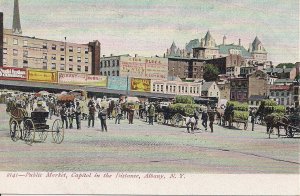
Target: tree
{"points": [[287, 65], [211, 73]]}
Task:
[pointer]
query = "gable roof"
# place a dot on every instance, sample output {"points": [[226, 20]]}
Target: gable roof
{"points": [[192, 44], [224, 49], [206, 86], [255, 44]]}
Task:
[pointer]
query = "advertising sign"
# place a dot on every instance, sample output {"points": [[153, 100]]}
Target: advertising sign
{"points": [[71, 78], [42, 76], [144, 67], [92, 80], [142, 85], [118, 83], [10, 73]]}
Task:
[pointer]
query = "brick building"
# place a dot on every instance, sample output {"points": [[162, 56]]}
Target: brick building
{"points": [[1, 39], [258, 84]]}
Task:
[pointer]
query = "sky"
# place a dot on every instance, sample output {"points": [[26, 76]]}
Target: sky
{"points": [[148, 27]]}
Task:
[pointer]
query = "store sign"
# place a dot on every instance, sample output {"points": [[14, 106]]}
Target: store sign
{"points": [[142, 85], [9, 73], [71, 78], [92, 80], [118, 83], [42, 76]]}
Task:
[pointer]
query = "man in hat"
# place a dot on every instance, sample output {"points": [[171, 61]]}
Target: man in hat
{"points": [[103, 116], [78, 111], [92, 111], [40, 107], [63, 115]]}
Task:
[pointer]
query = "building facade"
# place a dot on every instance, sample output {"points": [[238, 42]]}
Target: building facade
{"points": [[282, 94], [34, 53], [258, 84], [210, 89], [239, 89], [110, 65]]}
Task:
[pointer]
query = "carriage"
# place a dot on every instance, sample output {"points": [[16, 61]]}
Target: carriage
{"points": [[235, 112], [26, 128], [293, 125]]}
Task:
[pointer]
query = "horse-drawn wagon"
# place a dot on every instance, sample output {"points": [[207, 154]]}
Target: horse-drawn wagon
{"points": [[236, 112]]}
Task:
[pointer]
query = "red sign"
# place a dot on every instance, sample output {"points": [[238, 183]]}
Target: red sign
{"points": [[11, 73]]}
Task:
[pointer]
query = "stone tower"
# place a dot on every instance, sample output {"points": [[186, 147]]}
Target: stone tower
{"points": [[16, 20]]}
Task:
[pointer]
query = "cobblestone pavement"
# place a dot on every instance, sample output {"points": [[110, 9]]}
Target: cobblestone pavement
{"points": [[145, 148]]}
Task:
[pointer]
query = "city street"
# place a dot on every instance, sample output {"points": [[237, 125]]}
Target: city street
{"points": [[145, 148]]}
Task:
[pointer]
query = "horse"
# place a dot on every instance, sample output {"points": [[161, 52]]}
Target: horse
{"points": [[273, 121], [16, 113]]}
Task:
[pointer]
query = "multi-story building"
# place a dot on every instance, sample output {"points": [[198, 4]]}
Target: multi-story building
{"points": [[176, 87], [258, 84], [296, 93], [30, 52], [110, 65], [208, 48], [282, 94], [239, 89], [210, 89]]}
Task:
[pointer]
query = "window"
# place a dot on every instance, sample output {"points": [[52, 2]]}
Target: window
{"points": [[186, 89], [282, 93], [78, 50], [25, 62], [78, 68], [53, 66], [191, 90], [113, 63], [167, 88], [53, 47], [62, 67], [15, 62], [45, 56], [44, 65], [86, 60], [113, 73], [179, 88], [210, 93], [105, 63], [108, 63], [44, 45], [62, 48], [70, 67], [25, 53], [4, 61], [162, 88], [71, 58], [101, 73], [25, 43], [5, 40], [4, 50], [15, 52], [62, 57], [70, 48], [15, 42], [86, 51], [101, 64], [79, 59], [118, 73], [105, 73], [153, 87], [118, 63], [86, 68], [53, 57], [232, 95]]}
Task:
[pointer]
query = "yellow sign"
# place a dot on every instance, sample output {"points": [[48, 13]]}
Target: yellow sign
{"points": [[42, 76], [142, 85]]}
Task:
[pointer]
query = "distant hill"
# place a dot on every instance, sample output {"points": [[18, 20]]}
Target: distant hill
{"points": [[287, 65]]}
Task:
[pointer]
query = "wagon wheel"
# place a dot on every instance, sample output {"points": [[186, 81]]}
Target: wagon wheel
{"points": [[57, 131], [43, 134], [15, 131], [290, 132], [29, 131], [246, 126], [176, 120], [160, 118]]}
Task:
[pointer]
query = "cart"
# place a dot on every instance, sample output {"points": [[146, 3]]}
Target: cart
{"points": [[293, 125], [29, 127]]}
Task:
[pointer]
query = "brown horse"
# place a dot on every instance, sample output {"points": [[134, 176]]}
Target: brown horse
{"points": [[273, 121]]}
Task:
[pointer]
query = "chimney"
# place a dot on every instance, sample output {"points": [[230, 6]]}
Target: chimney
{"points": [[16, 19], [240, 42], [224, 40]]}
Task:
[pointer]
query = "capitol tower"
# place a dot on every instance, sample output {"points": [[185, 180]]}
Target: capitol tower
{"points": [[16, 28]]}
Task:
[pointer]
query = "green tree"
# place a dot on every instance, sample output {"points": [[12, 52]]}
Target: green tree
{"points": [[211, 73], [287, 65]]}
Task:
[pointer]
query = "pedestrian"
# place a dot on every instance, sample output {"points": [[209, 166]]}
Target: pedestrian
{"points": [[130, 114], [102, 115], [71, 114], [252, 119], [190, 123], [211, 116], [78, 110], [151, 113], [204, 120], [118, 113], [196, 116], [92, 111], [63, 115]]}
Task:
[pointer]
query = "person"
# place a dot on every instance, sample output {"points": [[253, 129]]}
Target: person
{"points": [[40, 107], [252, 113], [78, 115], [211, 116], [71, 114], [92, 111], [119, 113], [196, 116], [190, 121], [63, 115], [204, 120], [151, 113], [130, 114], [102, 115]]}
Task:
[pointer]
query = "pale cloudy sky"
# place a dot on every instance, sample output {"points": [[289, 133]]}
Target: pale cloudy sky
{"points": [[148, 27]]}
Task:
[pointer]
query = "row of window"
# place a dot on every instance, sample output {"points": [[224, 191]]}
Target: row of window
{"points": [[113, 73], [172, 89], [109, 63], [279, 93], [53, 47]]}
